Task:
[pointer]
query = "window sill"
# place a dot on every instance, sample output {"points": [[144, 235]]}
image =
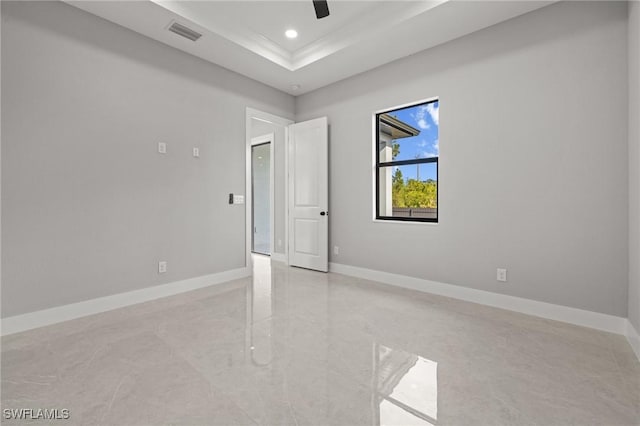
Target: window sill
{"points": [[406, 222]]}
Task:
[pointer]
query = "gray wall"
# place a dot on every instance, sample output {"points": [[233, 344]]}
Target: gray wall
{"points": [[89, 206], [532, 110], [1, 19], [634, 164], [259, 128], [533, 166]]}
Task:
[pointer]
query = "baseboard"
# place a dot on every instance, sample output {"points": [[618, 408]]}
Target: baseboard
{"points": [[58, 314], [599, 321], [567, 314], [634, 338], [279, 257]]}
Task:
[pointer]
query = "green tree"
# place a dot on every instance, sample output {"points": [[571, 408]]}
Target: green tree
{"points": [[397, 189], [412, 193]]}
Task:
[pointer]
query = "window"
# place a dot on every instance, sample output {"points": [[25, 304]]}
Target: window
{"points": [[405, 388], [407, 151]]}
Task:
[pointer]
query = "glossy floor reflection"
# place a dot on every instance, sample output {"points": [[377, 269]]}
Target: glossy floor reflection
{"points": [[296, 347]]}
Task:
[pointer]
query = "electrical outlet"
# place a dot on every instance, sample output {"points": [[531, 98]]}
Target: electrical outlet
{"points": [[336, 250], [501, 274], [196, 152], [162, 148], [238, 199], [162, 267]]}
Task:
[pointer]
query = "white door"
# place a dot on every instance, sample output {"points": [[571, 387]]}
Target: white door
{"points": [[309, 195]]}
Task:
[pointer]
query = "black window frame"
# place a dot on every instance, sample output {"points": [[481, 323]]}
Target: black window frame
{"points": [[379, 165]]}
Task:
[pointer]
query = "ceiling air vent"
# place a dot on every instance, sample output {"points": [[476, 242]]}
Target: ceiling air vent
{"points": [[185, 32]]}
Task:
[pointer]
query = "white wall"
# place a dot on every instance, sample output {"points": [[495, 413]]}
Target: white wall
{"points": [[533, 166], [634, 164], [89, 206]]}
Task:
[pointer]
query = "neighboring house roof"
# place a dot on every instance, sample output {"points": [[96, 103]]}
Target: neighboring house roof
{"points": [[396, 128]]}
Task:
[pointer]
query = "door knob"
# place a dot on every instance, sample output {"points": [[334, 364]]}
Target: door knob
{"points": [[324, 213]]}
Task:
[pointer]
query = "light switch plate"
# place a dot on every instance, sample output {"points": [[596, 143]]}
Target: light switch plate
{"points": [[501, 275], [238, 199], [162, 148]]}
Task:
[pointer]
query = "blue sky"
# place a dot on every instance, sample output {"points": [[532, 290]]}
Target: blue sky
{"points": [[425, 118]]}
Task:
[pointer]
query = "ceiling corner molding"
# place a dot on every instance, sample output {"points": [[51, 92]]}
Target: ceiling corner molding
{"points": [[365, 35]]}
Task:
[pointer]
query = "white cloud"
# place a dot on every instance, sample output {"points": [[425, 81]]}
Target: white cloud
{"points": [[434, 112], [432, 149], [419, 116], [427, 154]]}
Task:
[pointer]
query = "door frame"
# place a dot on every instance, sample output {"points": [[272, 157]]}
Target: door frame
{"points": [[250, 114], [268, 138]]}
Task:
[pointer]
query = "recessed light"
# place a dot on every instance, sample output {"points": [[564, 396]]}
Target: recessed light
{"points": [[291, 33]]}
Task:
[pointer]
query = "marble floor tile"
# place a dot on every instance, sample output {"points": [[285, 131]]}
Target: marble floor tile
{"points": [[296, 347]]}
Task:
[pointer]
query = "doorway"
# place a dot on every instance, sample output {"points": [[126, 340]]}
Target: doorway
{"points": [[298, 158], [262, 127], [261, 194]]}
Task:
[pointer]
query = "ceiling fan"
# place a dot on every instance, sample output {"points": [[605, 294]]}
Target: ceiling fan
{"points": [[322, 8]]}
